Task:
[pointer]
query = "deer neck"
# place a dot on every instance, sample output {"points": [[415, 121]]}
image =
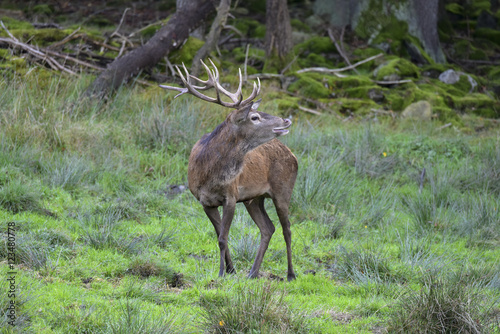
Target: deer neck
{"points": [[222, 152]]}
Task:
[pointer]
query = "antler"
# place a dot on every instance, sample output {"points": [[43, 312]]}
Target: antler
{"points": [[213, 81]]}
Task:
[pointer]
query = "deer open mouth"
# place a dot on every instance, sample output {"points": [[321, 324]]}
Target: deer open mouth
{"points": [[283, 130]]}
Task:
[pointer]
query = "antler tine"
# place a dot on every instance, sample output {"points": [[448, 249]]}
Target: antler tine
{"points": [[233, 96], [255, 92]]}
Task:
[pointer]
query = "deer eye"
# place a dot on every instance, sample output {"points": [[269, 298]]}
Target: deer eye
{"points": [[255, 118]]}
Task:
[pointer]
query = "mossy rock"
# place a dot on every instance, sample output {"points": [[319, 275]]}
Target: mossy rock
{"points": [[310, 85], [448, 115], [187, 52], [478, 104], [315, 45], [398, 66], [314, 60], [359, 92], [349, 81]]}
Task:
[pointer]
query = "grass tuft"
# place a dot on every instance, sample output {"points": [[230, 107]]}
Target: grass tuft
{"points": [[258, 309], [16, 196], [132, 318], [441, 307]]}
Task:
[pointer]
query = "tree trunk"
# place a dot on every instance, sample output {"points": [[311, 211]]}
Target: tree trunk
{"points": [[170, 37], [370, 18], [213, 35], [278, 41]]}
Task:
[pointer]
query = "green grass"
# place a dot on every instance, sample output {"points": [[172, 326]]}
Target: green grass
{"points": [[106, 244]]}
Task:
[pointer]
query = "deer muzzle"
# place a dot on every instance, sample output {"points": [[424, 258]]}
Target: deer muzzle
{"points": [[283, 130]]}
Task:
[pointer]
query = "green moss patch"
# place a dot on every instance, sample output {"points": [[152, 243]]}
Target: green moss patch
{"points": [[491, 35], [399, 67], [187, 52], [357, 106], [250, 27], [310, 85], [315, 45]]}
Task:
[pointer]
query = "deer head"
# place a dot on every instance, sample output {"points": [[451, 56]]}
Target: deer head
{"points": [[246, 121]]}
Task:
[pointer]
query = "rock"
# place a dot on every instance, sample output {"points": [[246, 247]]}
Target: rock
{"points": [[449, 77], [486, 20], [415, 53], [376, 95], [392, 77], [419, 110]]}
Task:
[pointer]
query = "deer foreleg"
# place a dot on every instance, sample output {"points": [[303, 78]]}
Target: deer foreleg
{"points": [[227, 217], [259, 215], [214, 216]]}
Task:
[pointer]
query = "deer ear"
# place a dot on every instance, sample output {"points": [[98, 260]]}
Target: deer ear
{"points": [[255, 105], [241, 114]]}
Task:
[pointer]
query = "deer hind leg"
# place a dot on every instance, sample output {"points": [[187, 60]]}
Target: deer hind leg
{"points": [[259, 215], [214, 216], [282, 211]]}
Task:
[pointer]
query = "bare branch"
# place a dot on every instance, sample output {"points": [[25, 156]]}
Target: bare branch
{"points": [[336, 70], [312, 111]]}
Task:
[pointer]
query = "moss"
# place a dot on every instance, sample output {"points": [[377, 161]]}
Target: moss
{"points": [[314, 59], [491, 35], [260, 31], [187, 52], [149, 31], [40, 37], [288, 104], [494, 73], [398, 66], [359, 92], [454, 8], [299, 25], [357, 106], [396, 100], [250, 28], [308, 85], [478, 104], [42, 9], [239, 54], [315, 45], [11, 24], [447, 115], [100, 21], [4, 54]]}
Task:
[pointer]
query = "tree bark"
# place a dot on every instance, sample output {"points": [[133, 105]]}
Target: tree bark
{"points": [[278, 40], [213, 35], [170, 37]]}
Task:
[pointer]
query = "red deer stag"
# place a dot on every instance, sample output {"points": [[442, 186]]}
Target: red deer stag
{"points": [[241, 161]]}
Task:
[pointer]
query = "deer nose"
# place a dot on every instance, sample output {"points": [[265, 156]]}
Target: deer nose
{"points": [[287, 121]]}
